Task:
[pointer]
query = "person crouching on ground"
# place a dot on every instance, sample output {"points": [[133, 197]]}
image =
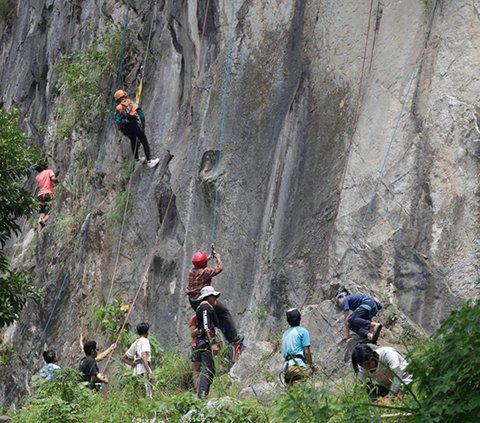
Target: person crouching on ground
{"points": [[207, 343], [358, 311], [384, 371], [139, 357], [296, 351]]}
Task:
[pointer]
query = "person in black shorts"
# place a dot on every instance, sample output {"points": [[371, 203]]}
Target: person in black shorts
{"points": [[88, 365]]}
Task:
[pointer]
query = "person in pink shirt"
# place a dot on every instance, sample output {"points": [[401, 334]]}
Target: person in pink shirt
{"points": [[45, 180]]}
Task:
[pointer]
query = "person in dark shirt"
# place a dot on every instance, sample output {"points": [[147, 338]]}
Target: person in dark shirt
{"points": [[88, 365], [358, 311], [206, 342]]}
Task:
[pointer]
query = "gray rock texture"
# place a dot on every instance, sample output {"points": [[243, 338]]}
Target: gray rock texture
{"points": [[315, 142]]}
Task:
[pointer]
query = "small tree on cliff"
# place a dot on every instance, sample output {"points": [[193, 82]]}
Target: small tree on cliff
{"points": [[16, 162]]}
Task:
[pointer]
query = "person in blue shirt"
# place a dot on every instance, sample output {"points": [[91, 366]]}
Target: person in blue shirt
{"points": [[358, 311], [50, 370], [296, 351]]}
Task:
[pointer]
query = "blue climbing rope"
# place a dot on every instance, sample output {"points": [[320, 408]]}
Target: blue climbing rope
{"points": [[226, 92]]}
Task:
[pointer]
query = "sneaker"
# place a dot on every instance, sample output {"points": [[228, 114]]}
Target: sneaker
{"points": [[152, 163], [141, 160]]}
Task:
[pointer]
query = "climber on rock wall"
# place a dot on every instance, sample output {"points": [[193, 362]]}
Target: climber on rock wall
{"points": [[130, 120], [45, 179], [200, 276], [358, 311], [296, 351], [383, 370]]}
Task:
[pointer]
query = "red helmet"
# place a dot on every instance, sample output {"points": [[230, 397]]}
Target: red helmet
{"points": [[200, 259]]}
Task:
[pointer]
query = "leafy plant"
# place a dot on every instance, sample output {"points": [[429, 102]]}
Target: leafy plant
{"points": [[5, 352], [84, 81], [446, 368], [17, 159]]}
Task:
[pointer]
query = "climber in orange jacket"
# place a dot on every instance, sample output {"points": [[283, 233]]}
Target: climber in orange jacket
{"points": [[130, 120]]}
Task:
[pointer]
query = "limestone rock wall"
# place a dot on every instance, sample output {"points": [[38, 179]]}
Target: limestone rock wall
{"points": [[272, 123]]}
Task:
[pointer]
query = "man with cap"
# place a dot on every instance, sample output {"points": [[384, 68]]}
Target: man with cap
{"points": [[296, 351], [206, 340]]}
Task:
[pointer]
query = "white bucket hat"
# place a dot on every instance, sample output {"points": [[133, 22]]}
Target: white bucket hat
{"points": [[206, 291]]}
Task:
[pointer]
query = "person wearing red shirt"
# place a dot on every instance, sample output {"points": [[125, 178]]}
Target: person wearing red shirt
{"points": [[45, 179]]}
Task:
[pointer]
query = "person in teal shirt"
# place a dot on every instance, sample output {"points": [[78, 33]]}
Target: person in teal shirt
{"points": [[296, 350]]}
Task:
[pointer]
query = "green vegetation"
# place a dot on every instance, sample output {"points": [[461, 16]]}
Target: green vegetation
{"points": [[84, 83], [17, 159], [5, 352], [5, 8], [117, 210], [445, 366]]}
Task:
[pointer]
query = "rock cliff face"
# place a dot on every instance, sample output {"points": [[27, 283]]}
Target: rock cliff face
{"points": [[317, 143]]}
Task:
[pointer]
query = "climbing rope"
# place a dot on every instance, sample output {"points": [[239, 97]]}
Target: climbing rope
{"points": [[79, 239], [226, 92], [381, 171], [353, 131], [138, 94], [170, 200], [137, 99]]}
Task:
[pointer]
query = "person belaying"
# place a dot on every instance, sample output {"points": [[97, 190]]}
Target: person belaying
{"points": [[200, 276], [296, 351], [51, 369], [130, 120], [88, 367], [207, 343], [45, 179], [196, 356], [383, 370], [358, 311], [139, 357]]}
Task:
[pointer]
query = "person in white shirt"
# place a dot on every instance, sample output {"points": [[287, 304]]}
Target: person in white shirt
{"points": [[384, 370], [139, 357]]}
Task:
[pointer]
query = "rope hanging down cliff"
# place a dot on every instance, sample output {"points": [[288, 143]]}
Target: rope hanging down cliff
{"points": [[170, 201], [226, 93], [129, 186], [381, 170], [79, 239]]}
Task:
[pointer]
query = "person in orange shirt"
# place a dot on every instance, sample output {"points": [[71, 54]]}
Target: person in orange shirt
{"points": [[45, 179]]}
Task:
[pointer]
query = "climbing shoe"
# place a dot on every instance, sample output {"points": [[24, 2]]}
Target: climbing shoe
{"points": [[152, 163], [141, 160]]}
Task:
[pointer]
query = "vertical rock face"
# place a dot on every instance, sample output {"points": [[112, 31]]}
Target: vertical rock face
{"points": [[315, 142]]}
